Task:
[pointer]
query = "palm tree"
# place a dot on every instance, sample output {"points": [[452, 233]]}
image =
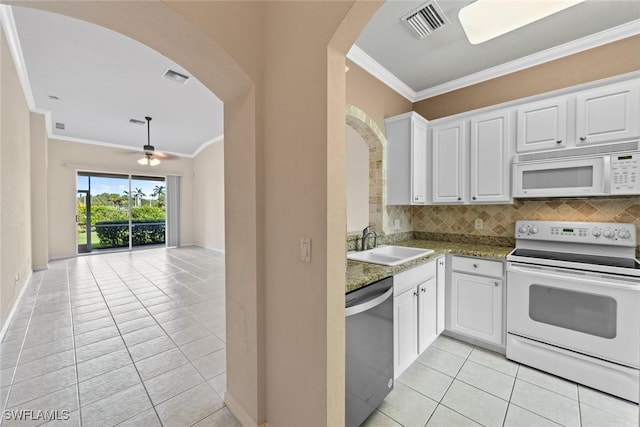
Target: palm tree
{"points": [[138, 195], [158, 190]]}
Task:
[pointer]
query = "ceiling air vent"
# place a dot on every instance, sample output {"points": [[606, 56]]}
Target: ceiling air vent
{"points": [[137, 122], [176, 76], [426, 19], [59, 126]]}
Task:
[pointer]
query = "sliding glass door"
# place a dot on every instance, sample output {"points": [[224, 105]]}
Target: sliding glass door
{"points": [[119, 211]]}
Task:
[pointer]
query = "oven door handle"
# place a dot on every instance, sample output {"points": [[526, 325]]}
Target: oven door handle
{"points": [[592, 278]]}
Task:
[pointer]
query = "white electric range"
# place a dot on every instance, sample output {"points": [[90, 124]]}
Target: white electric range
{"points": [[573, 303]]}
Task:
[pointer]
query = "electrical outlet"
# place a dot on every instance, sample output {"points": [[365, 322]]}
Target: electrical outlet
{"points": [[479, 224], [396, 225]]}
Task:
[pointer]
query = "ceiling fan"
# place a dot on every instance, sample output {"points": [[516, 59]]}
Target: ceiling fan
{"points": [[151, 157]]}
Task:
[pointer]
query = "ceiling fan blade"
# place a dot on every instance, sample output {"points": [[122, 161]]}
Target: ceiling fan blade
{"points": [[163, 156]]}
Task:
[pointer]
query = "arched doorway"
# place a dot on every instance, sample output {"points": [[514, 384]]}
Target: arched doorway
{"points": [[276, 188]]}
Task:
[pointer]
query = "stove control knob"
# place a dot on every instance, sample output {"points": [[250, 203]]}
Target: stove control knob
{"points": [[608, 233], [623, 234], [533, 230], [596, 232], [523, 229]]}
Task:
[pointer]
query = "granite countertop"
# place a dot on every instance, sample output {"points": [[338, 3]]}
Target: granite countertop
{"points": [[360, 274]]}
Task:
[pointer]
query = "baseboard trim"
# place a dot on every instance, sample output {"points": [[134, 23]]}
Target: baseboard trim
{"points": [[15, 306], [239, 412], [41, 267], [210, 248]]}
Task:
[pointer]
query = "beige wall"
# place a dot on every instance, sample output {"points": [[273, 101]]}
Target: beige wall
{"points": [[39, 190], [15, 184], [65, 158], [208, 197], [605, 61], [372, 96]]}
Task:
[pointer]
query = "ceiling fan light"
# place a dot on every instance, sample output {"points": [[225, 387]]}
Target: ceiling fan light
{"points": [[143, 161], [484, 20], [154, 162]]}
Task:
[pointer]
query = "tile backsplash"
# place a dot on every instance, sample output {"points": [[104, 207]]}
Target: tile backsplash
{"points": [[499, 220]]}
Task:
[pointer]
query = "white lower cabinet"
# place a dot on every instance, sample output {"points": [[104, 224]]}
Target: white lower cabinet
{"points": [[415, 312], [475, 303]]}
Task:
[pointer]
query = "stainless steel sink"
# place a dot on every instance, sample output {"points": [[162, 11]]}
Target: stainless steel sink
{"points": [[388, 255]]}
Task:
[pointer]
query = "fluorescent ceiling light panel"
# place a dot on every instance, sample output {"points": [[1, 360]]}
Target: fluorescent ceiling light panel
{"points": [[484, 20]]}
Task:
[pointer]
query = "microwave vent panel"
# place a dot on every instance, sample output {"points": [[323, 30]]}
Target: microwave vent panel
{"points": [[580, 151]]}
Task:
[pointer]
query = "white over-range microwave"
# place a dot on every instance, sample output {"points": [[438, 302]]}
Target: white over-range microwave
{"points": [[578, 172]]}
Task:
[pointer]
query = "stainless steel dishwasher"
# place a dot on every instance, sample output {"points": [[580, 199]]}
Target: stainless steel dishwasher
{"points": [[369, 349]]}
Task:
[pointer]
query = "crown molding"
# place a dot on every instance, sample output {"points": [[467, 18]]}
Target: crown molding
{"points": [[374, 68], [11, 32], [206, 144]]}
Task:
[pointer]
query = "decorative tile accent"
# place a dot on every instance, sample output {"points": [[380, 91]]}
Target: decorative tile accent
{"points": [[499, 220]]}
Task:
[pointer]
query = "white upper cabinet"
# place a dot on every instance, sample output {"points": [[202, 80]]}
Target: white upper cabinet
{"points": [[542, 125], [490, 158], [449, 162], [406, 159], [472, 160], [608, 114]]}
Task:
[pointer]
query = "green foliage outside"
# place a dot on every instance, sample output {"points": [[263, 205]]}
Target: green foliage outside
{"points": [[144, 232], [110, 208]]}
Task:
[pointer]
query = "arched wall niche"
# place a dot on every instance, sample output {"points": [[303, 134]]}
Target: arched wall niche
{"points": [[371, 133]]}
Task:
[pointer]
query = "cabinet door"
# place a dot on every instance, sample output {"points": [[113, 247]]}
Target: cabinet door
{"points": [[542, 125], [405, 323], [419, 163], [490, 161], [476, 307], [440, 306], [449, 162], [608, 114], [427, 314]]}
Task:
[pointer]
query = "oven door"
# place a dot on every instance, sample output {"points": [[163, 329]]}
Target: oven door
{"points": [[562, 177], [593, 314]]}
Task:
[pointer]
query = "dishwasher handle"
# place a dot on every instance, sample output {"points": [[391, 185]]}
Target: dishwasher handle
{"points": [[368, 304]]}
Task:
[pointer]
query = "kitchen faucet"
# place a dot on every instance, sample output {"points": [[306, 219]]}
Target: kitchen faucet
{"points": [[365, 235]]}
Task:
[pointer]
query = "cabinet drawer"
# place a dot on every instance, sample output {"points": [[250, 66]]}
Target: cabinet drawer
{"points": [[413, 277], [477, 266]]}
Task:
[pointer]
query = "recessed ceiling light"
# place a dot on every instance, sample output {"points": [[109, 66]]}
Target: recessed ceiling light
{"points": [[176, 76], [484, 20]]}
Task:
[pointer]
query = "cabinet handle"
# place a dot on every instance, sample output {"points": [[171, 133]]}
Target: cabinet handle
{"points": [[423, 290], [559, 141], [583, 138], [496, 284], [474, 197], [475, 265], [459, 198], [415, 294]]}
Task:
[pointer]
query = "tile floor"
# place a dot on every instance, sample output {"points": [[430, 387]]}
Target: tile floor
{"points": [[454, 384], [138, 339], [129, 339]]}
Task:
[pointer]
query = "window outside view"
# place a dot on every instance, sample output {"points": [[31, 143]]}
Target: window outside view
{"points": [[107, 203]]}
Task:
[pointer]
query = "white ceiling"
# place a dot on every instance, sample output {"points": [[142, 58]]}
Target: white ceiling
{"points": [[446, 55], [103, 79]]}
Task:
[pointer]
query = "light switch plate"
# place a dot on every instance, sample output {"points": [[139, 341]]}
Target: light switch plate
{"points": [[305, 249], [396, 224], [479, 224]]}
